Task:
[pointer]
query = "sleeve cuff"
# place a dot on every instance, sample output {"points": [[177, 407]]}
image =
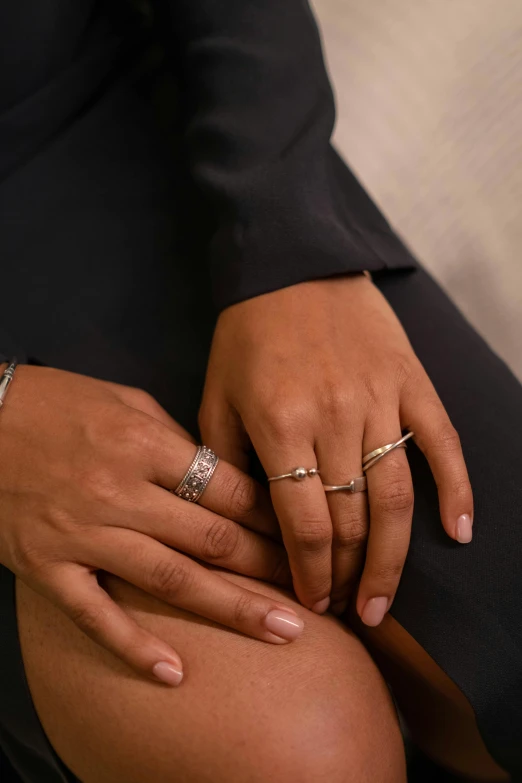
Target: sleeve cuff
{"points": [[330, 228]]}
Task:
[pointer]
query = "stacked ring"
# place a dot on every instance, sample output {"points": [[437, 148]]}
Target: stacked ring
{"points": [[371, 459]]}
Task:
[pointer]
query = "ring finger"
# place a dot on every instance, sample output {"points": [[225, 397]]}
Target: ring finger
{"points": [[390, 498]]}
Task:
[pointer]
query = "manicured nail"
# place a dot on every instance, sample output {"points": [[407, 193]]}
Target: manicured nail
{"points": [[464, 532], [284, 624], [374, 611], [321, 606], [167, 673]]}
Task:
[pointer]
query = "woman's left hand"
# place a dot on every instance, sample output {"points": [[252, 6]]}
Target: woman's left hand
{"points": [[316, 375]]}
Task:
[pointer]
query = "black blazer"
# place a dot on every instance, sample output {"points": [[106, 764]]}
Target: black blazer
{"points": [[257, 113]]}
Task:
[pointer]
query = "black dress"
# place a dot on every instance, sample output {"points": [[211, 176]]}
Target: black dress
{"points": [[157, 166]]}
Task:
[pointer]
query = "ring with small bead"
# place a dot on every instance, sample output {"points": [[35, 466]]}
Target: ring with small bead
{"points": [[298, 474]]}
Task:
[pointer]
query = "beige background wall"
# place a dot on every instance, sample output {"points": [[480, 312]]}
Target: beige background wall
{"points": [[429, 96]]}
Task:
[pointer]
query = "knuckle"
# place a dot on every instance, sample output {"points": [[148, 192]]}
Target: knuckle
{"points": [[221, 540], [396, 498], [240, 494], [284, 421], [447, 440], [26, 559], [461, 488], [350, 536], [243, 610], [170, 578], [134, 432], [100, 485], [350, 529], [387, 573], [89, 617], [313, 536], [141, 398], [336, 400]]}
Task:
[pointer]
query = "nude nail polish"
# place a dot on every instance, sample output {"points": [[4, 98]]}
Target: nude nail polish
{"points": [[464, 531], [374, 611], [283, 624], [321, 606], [167, 673]]}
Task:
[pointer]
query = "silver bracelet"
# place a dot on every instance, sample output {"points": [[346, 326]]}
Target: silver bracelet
{"points": [[7, 377]]}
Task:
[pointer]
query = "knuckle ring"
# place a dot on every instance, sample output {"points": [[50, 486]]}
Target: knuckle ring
{"points": [[296, 473], [195, 480], [371, 459]]}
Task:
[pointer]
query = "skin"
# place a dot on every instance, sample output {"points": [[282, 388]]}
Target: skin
{"points": [[314, 711], [83, 489], [94, 521], [319, 374]]}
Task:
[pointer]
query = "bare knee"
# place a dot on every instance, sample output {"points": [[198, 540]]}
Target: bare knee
{"points": [[339, 725], [311, 711], [317, 710], [334, 739]]}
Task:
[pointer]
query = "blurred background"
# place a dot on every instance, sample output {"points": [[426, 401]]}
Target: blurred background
{"points": [[429, 98]]}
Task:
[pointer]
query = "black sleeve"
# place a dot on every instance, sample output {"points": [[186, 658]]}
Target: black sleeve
{"points": [[259, 116], [10, 348]]}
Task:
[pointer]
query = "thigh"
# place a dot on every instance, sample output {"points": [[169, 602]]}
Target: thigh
{"points": [[462, 604], [315, 710]]}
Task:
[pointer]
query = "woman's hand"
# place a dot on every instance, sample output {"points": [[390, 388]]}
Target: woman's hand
{"points": [[316, 375], [84, 469]]}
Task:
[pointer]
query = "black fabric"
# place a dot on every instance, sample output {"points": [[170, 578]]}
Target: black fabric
{"points": [[260, 113], [104, 248], [257, 114], [464, 603]]}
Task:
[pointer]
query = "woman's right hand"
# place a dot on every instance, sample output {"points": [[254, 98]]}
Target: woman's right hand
{"points": [[84, 469]]}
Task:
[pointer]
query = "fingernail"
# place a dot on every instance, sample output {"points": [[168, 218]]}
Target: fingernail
{"points": [[284, 624], [167, 673], [464, 532], [374, 611], [321, 606]]}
